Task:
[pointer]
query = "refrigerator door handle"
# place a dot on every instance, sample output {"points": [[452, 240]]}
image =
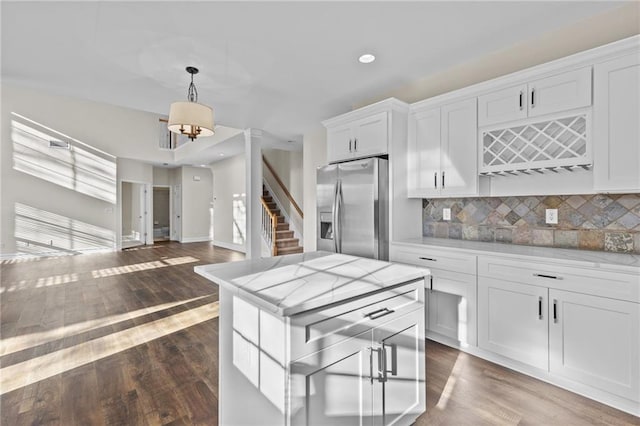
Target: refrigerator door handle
{"points": [[338, 223], [334, 216]]}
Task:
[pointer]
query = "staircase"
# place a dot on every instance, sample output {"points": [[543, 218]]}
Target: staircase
{"points": [[284, 242]]}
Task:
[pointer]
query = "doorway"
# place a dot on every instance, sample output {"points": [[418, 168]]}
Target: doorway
{"points": [[134, 211], [161, 213]]}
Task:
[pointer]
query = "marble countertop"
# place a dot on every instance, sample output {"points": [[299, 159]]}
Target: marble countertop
{"points": [[288, 285], [598, 259]]}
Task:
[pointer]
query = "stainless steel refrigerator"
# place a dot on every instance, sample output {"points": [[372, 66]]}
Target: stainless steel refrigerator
{"points": [[353, 208]]}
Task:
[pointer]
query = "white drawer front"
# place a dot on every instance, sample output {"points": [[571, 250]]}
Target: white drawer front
{"points": [[317, 330], [434, 259], [614, 285]]}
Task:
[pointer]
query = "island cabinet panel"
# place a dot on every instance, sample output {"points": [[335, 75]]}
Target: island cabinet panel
{"points": [[375, 378]]}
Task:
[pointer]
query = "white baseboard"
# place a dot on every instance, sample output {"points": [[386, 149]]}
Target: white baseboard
{"points": [[231, 246], [195, 239]]}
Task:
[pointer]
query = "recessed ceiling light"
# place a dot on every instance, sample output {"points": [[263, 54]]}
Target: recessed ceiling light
{"points": [[222, 154], [367, 58]]}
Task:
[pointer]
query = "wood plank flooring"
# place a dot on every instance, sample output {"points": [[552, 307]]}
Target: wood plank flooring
{"points": [[130, 338]]}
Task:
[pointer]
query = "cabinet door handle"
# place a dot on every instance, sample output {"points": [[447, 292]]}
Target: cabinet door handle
{"points": [[435, 180], [382, 365], [349, 145], [394, 360], [379, 313], [431, 259], [521, 105], [355, 144], [551, 277], [533, 97], [443, 179], [431, 283], [540, 308], [555, 311]]}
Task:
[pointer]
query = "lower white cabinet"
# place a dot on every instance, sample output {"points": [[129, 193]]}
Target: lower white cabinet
{"points": [[450, 299], [595, 341], [376, 378], [512, 320], [554, 324]]}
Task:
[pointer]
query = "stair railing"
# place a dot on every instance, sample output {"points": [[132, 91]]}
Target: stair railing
{"points": [[269, 227]]}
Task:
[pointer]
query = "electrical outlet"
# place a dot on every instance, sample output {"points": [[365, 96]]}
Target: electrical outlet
{"points": [[446, 214], [551, 216]]}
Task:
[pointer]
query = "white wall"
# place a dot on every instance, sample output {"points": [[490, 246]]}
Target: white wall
{"points": [[314, 155], [122, 132], [228, 179], [289, 166], [161, 176], [197, 193], [586, 34], [53, 200]]}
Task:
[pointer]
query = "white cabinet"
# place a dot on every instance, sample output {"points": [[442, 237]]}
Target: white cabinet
{"points": [[375, 378], [450, 299], [576, 323], [363, 137], [561, 92], [360, 361], [512, 320], [616, 127], [594, 341], [442, 150]]}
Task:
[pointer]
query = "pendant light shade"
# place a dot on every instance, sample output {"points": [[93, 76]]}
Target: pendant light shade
{"points": [[190, 117]]}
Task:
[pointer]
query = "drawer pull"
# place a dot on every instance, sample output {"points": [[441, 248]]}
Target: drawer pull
{"points": [[379, 313], [431, 259], [553, 277]]}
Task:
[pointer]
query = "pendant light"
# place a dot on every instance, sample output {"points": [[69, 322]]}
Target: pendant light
{"points": [[191, 118]]}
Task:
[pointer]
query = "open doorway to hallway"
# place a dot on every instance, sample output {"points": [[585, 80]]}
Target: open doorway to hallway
{"points": [[161, 213]]}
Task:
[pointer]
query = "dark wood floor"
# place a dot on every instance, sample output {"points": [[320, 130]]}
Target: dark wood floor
{"points": [[130, 338]]}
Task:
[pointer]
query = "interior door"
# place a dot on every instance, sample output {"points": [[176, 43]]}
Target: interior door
{"points": [[357, 213], [399, 392], [133, 214]]}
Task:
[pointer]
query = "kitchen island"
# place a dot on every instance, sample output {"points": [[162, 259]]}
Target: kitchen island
{"points": [[320, 338]]}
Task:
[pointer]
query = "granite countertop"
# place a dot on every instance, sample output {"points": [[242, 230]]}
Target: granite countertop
{"points": [[288, 285], [596, 259]]}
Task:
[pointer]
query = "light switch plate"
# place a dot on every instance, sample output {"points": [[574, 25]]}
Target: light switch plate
{"points": [[551, 216], [446, 214]]}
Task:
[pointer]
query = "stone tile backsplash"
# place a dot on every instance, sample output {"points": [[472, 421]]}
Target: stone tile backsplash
{"points": [[589, 222]]}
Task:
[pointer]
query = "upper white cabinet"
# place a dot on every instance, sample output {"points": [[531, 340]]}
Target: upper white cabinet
{"points": [[442, 150], [362, 137], [616, 126], [561, 92]]}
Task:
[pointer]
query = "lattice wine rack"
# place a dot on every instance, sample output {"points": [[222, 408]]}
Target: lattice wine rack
{"points": [[560, 143]]}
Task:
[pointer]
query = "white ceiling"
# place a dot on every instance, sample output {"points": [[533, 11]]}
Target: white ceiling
{"points": [[278, 66]]}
